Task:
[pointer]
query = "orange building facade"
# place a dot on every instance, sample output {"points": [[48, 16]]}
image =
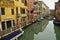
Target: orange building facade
{"points": [[31, 10]]}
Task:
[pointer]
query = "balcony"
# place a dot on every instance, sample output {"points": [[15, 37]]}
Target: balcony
{"points": [[8, 31], [6, 2], [36, 11], [23, 15]]}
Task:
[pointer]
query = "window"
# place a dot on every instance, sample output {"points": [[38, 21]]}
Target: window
{"points": [[13, 23], [3, 11], [16, 10], [8, 24], [17, 21], [25, 2], [12, 11], [44, 10], [3, 25], [22, 10]]}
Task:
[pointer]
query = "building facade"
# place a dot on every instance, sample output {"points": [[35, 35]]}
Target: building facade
{"points": [[30, 11], [57, 10], [45, 9], [57, 13], [42, 9], [37, 10], [51, 13], [23, 12], [13, 17]]}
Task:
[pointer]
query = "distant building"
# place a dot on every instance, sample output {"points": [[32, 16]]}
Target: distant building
{"points": [[41, 9], [30, 11], [52, 12]]}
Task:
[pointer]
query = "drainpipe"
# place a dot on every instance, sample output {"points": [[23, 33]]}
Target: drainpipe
{"points": [[0, 14], [0, 20]]}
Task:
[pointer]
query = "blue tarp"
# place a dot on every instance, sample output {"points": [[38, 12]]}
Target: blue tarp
{"points": [[10, 36]]}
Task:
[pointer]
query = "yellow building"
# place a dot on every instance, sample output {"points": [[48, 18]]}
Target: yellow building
{"points": [[7, 14], [23, 12], [13, 15], [44, 9]]}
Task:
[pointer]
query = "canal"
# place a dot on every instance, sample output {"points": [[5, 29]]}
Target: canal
{"points": [[44, 30]]}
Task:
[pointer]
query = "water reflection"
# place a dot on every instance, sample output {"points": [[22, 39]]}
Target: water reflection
{"points": [[39, 27], [41, 31], [28, 34], [57, 32], [33, 29]]}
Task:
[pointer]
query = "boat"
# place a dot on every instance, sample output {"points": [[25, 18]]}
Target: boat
{"points": [[13, 35]]}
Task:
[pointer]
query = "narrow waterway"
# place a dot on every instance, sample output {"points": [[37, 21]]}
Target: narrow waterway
{"points": [[41, 31]]}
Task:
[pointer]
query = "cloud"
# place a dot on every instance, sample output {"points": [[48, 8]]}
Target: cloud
{"points": [[50, 3]]}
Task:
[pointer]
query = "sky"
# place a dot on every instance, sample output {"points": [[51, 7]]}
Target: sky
{"points": [[50, 3]]}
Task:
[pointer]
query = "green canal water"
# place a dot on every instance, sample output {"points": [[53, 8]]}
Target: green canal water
{"points": [[41, 31]]}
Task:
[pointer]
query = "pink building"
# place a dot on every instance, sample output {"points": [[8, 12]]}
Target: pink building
{"points": [[31, 10]]}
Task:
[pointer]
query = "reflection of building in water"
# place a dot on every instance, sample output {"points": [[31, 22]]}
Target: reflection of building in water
{"points": [[33, 29], [28, 34], [57, 31], [40, 26]]}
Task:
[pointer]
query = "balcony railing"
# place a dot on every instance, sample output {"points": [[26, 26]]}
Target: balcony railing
{"points": [[6, 2], [36, 10], [23, 15], [8, 31]]}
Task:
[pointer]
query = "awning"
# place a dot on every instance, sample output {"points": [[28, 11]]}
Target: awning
{"points": [[10, 36]]}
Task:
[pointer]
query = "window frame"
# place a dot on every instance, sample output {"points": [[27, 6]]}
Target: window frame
{"points": [[22, 10], [12, 11], [2, 11], [3, 25]]}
